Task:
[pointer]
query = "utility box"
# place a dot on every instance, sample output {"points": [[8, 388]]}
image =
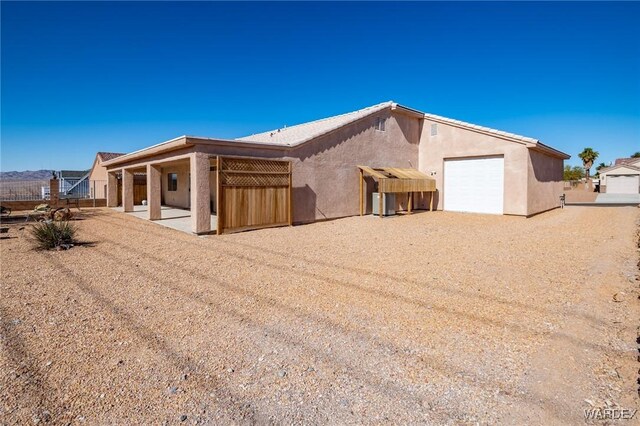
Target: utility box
{"points": [[388, 203]]}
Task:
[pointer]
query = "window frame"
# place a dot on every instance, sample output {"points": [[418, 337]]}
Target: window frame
{"points": [[172, 182]]}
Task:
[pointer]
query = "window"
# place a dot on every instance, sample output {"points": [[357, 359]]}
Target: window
{"points": [[380, 123], [434, 129], [172, 181]]}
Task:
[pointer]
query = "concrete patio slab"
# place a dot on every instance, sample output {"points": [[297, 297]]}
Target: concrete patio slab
{"points": [[172, 217]]}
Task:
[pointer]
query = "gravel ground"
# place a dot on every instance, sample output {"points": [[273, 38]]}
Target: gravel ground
{"points": [[436, 318]]}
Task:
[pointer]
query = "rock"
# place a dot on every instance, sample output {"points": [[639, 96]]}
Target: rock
{"points": [[282, 373], [230, 370], [41, 208], [62, 214], [172, 390], [183, 417]]}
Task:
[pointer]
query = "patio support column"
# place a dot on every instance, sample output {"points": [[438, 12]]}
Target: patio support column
{"points": [[112, 190], [127, 190], [200, 195], [154, 185]]}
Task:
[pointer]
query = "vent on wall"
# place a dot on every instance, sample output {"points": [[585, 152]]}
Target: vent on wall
{"points": [[434, 129], [380, 124]]}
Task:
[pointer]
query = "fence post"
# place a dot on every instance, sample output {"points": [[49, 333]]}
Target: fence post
{"points": [[54, 192]]}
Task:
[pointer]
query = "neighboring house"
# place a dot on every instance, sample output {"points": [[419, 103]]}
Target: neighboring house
{"points": [[98, 174], [98, 179], [476, 169], [621, 178], [74, 183], [629, 160]]}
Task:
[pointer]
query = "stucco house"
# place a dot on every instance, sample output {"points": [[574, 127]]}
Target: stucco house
{"points": [[98, 174], [621, 178], [98, 179], [475, 168]]}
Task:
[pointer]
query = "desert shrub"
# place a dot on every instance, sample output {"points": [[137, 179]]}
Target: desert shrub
{"points": [[50, 235]]}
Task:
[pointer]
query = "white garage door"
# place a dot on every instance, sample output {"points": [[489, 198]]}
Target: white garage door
{"points": [[622, 184], [474, 185]]}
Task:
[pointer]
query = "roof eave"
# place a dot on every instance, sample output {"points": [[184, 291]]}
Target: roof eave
{"points": [[540, 147], [161, 147], [407, 111], [201, 140], [617, 166]]}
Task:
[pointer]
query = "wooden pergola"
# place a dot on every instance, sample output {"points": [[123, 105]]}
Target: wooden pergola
{"points": [[397, 180]]}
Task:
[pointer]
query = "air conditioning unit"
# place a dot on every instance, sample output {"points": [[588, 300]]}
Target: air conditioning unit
{"points": [[388, 204]]}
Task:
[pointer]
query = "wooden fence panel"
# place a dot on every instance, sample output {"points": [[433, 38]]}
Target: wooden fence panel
{"points": [[254, 193], [139, 191]]}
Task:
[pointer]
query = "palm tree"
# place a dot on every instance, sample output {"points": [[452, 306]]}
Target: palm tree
{"points": [[636, 155], [588, 156], [600, 166]]}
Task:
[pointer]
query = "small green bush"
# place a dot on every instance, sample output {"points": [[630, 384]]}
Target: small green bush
{"points": [[54, 235]]}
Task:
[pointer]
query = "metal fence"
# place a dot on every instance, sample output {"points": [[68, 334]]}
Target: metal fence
{"points": [[24, 190], [33, 190]]}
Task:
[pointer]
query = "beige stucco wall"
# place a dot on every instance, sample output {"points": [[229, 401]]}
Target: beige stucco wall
{"points": [[455, 142], [545, 185], [181, 197], [98, 179], [325, 177], [325, 173]]}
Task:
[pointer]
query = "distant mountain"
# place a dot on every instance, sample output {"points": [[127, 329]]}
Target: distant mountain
{"points": [[26, 175]]}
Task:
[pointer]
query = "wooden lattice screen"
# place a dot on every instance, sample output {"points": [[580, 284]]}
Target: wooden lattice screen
{"points": [[253, 193]]}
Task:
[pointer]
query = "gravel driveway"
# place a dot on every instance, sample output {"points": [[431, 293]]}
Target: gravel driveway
{"points": [[430, 318]]}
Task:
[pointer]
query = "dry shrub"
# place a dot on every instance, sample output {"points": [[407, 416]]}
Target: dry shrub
{"points": [[54, 235]]}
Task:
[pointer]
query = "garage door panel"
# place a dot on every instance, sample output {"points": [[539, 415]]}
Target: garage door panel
{"points": [[474, 185], [623, 184]]}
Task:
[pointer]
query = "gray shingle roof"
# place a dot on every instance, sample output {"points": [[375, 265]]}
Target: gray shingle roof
{"points": [[306, 131], [73, 174]]}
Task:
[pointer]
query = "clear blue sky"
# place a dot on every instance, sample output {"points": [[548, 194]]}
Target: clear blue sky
{"points": [[84, 77]]}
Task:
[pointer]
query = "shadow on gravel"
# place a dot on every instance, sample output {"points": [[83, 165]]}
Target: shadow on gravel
{"points": [[380, 384], [242, 411], [28, 382], [392, 297]]}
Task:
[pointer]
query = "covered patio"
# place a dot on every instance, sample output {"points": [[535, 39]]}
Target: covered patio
{"points": [[202, 192], [172, 217]]}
